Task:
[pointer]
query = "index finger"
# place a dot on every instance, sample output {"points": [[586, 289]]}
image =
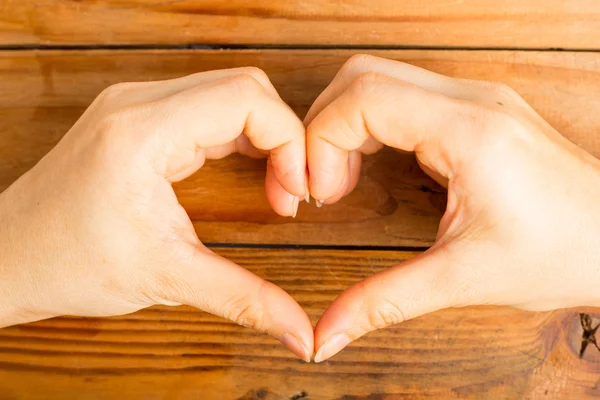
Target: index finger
{"points": [[360, 64], [397, 114], [217, 112], [482, 92]]}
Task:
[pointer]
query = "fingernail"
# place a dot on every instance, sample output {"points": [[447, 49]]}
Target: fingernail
{"points": [[332, 347], [295, 206], [319, 203], [293, 344]]}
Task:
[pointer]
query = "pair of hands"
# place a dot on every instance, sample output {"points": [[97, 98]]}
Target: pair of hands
{"points": [[95, 229]]}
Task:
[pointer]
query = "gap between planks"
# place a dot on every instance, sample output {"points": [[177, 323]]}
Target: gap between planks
{"points": [[266, 46], [276, 246]]}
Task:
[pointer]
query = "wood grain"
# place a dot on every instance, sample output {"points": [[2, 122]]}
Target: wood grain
{"points": [[448, 23], [44, 92], [181, 353]]}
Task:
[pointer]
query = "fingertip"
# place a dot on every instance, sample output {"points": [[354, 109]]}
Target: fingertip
{"points": [[296, 346], [337, 327], [335, 320], [354, 165], [281, 201], [327, 168], [337, 195], [216, 285], [347, 182], [334, 330], [332, 346], [406, 291], [288, 164], [289, 323], [306, 189]]}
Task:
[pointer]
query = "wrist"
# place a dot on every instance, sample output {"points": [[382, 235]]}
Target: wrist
{"points": [[14, 283], [588, 259], [8, 300]]}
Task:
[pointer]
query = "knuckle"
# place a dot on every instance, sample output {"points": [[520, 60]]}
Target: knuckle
{"points": [[255, 72], [244, 83], [122, 134], [113, 90], [248, 310], [117, 90], [248, 315], [283, 167], [491, 124], [370, 84], [112, 119], [369, 79], [500, 92], [383, 314], [503, 90], [114, 103], [358, 63], [347, 133]]}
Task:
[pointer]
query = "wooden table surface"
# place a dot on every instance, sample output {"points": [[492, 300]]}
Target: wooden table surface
{"points": [[57, 55]]}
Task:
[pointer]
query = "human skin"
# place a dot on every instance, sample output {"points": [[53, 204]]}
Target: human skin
{"points": [[522, 224], [95, 229]]}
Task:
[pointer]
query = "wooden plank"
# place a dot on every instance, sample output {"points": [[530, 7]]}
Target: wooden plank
{"points": [[472, 23], [43, 93], [180, 353]]}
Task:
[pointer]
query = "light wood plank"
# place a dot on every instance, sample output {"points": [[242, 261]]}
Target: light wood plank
{"points": [[395, 204], [449, 23], [180, 353]]}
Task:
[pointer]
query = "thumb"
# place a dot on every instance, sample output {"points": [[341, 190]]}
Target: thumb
{"points": [[424, 284], [216, 285]]}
